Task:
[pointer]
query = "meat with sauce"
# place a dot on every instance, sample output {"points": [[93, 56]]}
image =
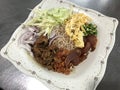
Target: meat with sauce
{"points": [[60, 59]]}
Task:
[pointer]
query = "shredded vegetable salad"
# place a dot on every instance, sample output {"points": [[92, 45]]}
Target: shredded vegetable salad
{"points": [[59, 38], [77, 25], [47, 19]]}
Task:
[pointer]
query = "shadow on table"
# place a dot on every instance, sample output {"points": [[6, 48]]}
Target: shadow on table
{"points": [[1, 88], [109, 86]]}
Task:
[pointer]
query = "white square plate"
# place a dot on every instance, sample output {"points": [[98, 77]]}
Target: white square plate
{"points": [[88, 74]]}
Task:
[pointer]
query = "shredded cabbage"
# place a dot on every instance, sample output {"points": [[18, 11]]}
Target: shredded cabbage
{"points": [[45, 20]]}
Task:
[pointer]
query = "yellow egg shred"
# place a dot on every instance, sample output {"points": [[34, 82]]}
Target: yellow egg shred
{"points": [[72, 28]]}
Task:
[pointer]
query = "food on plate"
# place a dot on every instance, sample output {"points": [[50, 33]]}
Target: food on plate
{"points": [[59, 39]]}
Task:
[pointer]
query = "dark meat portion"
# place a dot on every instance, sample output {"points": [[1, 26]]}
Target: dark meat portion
{"points": [[90, 43], [44, 54], [86, 48], [78, 55], [73, 57], [60, 65], [92, 39], [60, 59], [50, 57]]}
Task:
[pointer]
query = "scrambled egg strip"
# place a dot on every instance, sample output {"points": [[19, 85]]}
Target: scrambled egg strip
{"points": [[73, 26]]}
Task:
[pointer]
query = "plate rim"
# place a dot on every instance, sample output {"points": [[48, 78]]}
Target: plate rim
{"points": [[112, 34]]}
